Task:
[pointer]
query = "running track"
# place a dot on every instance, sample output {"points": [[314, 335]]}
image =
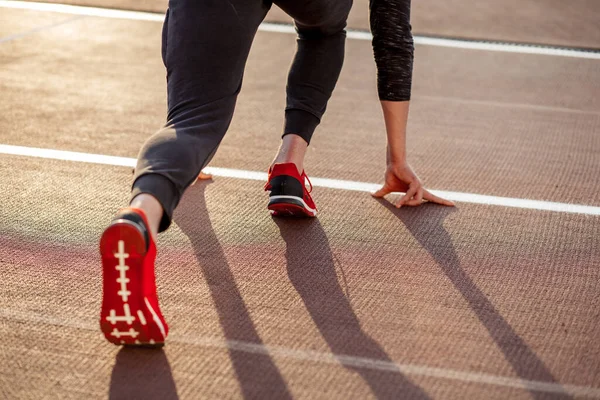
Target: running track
{"points": [[498, 298]]}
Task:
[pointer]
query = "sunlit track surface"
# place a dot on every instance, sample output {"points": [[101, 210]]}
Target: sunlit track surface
{"points": [[481, 301], [289, 28], [540, 22]]}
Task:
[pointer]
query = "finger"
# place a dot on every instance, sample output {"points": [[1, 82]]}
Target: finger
{"points": [[202, 176], [417, 199], [412, 191], [435, 199], [382, 192], [419, 195], [413, 202]]}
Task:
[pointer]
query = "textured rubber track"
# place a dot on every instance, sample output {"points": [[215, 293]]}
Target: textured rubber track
{"points": [[525, 21], [127, 316], [275, 307]]}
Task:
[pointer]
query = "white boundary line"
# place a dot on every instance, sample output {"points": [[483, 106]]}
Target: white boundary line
{"points": [[317, 182], [81, 10], [329, 358], [286, 28]]}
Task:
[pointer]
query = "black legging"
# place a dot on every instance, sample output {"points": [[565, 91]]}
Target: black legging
{"points": [[205, 47]]}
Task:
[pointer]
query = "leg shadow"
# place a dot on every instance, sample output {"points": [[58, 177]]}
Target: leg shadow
{"points": [[257, 373], [311, 269], [425, 223], [143, 374]]}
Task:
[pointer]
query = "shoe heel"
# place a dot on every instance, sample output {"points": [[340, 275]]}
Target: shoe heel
{"points": [[126, 231], [285, 185], [124, 317]]}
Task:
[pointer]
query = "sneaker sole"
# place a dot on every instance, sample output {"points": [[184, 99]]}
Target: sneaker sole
{"points": [[289, 206], [126, 317]]}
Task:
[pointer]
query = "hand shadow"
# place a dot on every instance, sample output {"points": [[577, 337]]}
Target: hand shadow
{"points": [[257, 374], [425, 223], [311, 269], [143, 374]]}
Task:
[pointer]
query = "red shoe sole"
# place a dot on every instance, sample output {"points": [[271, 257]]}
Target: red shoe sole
{"points": [[127, 317], [289, 210]]}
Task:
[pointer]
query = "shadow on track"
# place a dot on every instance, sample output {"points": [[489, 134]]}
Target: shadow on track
{"points": [[311, 269], [425, 223], [257, 374], [142, 374]]}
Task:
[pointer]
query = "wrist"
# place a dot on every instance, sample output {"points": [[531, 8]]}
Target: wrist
{"points": [[395, 156]]}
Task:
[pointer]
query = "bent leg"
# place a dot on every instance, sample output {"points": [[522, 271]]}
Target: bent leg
{"points": [[205, 48], [318, 61]]}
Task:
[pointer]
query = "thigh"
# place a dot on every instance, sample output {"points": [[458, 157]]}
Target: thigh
{"points": [[205, 47], [325, 15]]}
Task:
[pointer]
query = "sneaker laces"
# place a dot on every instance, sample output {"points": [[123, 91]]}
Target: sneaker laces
{"points": [[307, 180]]}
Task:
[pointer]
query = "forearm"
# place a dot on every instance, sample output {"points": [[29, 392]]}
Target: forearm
{"points": [[393, 48], [395, 114]]}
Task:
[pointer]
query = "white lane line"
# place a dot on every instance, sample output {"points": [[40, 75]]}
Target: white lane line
{"points": [[81, 10], [67, 155], [329, 358], [287, 28], [505, 47], [317, 182]]}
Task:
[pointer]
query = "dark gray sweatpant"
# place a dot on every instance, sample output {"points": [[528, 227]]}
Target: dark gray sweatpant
{"points": [[205, 45]]}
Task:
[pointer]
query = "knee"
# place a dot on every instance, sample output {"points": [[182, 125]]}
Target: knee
{"points": [[329, 21]]}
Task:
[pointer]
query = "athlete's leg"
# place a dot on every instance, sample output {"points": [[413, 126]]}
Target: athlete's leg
{"points": [[205, 47], [314, 71], [311, 80]]}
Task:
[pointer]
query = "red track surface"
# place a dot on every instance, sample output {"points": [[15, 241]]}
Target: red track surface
{"points": [[365, 301]]}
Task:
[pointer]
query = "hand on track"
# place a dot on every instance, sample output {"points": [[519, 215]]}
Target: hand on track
{"points": [[401, 178]]}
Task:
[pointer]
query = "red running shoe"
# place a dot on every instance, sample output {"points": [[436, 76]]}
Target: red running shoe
{"points": [[289, 195], [130, 314]]}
